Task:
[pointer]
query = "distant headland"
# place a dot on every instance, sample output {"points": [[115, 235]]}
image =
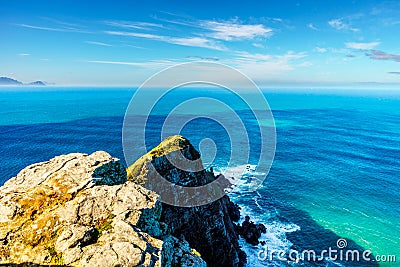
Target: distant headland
{"points": [[10, 81]]}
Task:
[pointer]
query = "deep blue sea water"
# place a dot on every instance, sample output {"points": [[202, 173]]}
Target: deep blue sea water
{"points": [[336, 172]]}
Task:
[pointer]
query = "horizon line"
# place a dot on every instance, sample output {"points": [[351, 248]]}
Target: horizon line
{"points": [[277, 87]]}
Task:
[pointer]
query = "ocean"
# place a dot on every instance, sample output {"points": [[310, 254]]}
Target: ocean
{"points": [[335, 175]]}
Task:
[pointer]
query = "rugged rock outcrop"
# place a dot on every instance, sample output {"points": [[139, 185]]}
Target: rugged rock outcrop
{"points": [[209, 228], [78, 209], [251, 231]]}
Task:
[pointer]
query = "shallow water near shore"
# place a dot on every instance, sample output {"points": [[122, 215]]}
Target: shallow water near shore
{"points": [[335, 173]]}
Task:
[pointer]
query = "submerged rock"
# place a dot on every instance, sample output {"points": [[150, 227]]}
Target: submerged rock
{"points": [[209, 228], [79, 210]]}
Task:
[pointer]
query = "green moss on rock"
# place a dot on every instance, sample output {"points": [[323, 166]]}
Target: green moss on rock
{"points": [[106, 224], [170, 144]]}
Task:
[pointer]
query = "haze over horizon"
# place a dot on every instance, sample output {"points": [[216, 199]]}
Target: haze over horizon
{"points": [[290, 44]]}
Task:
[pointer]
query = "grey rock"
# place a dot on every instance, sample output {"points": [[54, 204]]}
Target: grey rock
{"points": [[79, 210], [210, 228]]}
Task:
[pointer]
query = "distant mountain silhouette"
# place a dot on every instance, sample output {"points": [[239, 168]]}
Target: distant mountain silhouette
{"points": [[39, 83], [10, 81]]}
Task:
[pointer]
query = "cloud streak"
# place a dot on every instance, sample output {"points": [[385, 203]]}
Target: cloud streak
{"points": [[190, 41], [258, 45], [66, 29], [229, 31], [362, 46], [338, 24], [320, 49], [137, 25], [202, 58], [147, 64], [267, 66], [208, 34], [380, 55], [97, 43], [312, 27]]}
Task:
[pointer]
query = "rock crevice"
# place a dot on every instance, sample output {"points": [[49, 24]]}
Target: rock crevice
{"points": [[79, 210], [88, 210], [210, 228]]}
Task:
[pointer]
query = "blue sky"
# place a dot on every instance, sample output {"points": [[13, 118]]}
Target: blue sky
{"points": [[277, 43]]}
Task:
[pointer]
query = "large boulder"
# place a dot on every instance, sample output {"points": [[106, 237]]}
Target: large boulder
{"points": [[208, 228], [78, 209]]}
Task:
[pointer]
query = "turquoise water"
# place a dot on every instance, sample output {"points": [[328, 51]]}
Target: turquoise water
{"points": [[335, 173]]}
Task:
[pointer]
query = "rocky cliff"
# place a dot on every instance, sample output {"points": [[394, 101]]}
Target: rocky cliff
{"points": [[79, 210], [87, 210], [209, 228]]}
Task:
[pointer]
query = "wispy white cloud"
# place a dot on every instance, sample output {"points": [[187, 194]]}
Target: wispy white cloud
{"points": [[226, 30], [266, 66], [231, 30], [290, 55], [23, 54], [332, 50], [386, 13], [189, 41], [195, 33], [242, 56], [320, 49], [304, 64], [138, 25], [133, 46], [152, 63], [175, 18], [312, 27], [362, 46], [63, 29], [97, 43], [335, 50], [137, 34], [202, 58], [182, 21], [146, 64], [258, 45], [339, 24], [277, 19], [257, 66], [196, 41], [60, 22], [39, 27]]}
